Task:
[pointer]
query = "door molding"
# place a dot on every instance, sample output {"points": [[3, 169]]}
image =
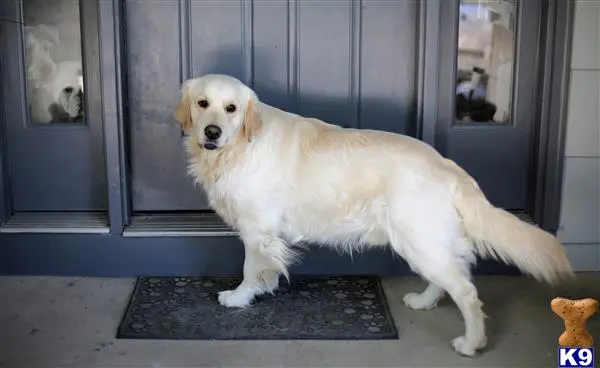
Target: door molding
{"points": [[5, 194], [116, 132], [552, 116]]}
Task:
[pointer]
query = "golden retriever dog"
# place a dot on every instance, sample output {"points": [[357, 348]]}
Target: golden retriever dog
{"points": [[283, 180]]}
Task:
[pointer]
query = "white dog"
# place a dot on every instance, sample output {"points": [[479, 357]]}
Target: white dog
{"points": [[281, 179], [55, 89]]}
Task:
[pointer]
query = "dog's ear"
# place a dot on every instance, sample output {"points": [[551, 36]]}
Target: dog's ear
{"points": [[252, 122], [44, 35], [183, 112]]}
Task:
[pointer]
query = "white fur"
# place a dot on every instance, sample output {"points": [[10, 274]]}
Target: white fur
{"points": [[299, 180], [48, 79]]}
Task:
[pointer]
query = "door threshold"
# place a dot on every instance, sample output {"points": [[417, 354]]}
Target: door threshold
{"points": [[178, 224], [199, 224], [57, 223]]}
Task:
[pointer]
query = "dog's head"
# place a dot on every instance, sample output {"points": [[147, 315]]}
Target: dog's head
{"points": [[67, 89], [39, 40], [218, 110]]}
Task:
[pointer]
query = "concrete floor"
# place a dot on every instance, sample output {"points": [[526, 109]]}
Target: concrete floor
{"points": [[71, 322]]}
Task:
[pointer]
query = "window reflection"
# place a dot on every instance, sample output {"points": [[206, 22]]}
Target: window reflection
{"points": [[52, 38], [485, 61]]}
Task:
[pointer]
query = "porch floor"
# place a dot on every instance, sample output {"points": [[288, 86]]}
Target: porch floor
{"points": [[71, 322]]}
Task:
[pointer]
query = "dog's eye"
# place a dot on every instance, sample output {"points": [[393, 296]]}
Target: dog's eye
{"points": [[230, 108], [68, 90], [203, 104]]}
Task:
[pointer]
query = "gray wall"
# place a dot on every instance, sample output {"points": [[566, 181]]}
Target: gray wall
{"points": [[580, 212]]}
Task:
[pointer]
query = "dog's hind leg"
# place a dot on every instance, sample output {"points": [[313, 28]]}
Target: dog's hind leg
{"points": [[266, 257], [463, 251], [446, 271], [464, 294], [427, 299]]}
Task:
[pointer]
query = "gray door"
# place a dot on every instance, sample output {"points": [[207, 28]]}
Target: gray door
{"points": [[488, 78], [51, 103], [347, 62]]}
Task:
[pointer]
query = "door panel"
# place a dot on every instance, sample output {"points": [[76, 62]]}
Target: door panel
{"points": [[154, 79], [51, 88], [217, 35], [325, 76], [497, 153], [350, 63], [389, 49]]}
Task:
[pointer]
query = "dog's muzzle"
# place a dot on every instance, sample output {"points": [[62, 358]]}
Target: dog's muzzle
{"points": [[210, 146], [212, 133]]}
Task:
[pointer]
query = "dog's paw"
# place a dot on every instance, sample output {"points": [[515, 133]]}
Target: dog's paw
{"points": [[419, 301], [464, 347], [234, 299]]}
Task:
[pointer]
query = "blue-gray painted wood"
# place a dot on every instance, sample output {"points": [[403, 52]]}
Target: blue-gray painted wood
{"points": [[552, 122], [116, 132], [5, 195], [52, 167], [429, 34], [499, 156], [352, 63], [153, 81], [115, 256]]}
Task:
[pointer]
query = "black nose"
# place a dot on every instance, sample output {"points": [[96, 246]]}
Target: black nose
{"points": [[212, 132]]}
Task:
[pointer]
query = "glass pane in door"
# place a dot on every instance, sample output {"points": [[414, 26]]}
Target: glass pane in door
{"points": [[485, 61], [54, 68]]}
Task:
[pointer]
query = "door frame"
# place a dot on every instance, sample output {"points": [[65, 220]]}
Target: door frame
{"points": [[116, 254]]}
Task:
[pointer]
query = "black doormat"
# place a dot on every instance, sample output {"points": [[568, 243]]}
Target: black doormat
{"points": [[316, 308]]}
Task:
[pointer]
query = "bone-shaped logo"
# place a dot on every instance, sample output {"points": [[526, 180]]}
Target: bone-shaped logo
{"points": [[575, 314]]}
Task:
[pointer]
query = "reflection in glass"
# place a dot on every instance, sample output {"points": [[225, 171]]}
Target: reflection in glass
{"points": [[52, 38], [485, 60]]}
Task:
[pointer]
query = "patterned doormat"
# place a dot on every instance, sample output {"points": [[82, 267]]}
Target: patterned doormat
{"points": [[317, 308]]}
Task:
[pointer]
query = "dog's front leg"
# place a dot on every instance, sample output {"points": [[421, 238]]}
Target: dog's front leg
{"points": [[261, 271]]}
